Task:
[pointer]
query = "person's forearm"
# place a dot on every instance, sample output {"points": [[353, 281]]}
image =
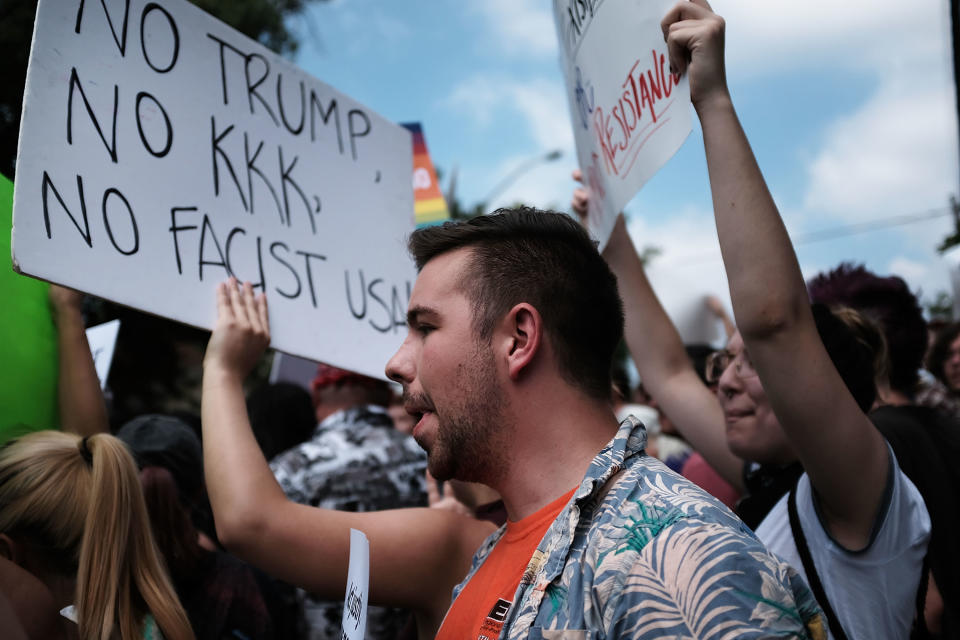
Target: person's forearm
{"points": [[82, 407], [842, 453], [239, 481], [766, 285]]}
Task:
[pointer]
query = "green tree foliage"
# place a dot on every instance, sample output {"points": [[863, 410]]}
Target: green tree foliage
{"points": [[262, 20], [941, 307]]}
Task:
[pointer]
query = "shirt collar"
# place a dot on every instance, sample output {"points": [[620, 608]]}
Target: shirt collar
{"points": [[631, 439]]}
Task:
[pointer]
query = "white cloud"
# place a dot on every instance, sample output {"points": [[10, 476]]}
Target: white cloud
{"points": [[389, 28], [477, 96], [895, 155], [541, 102], [368, 26], [909, 270], [853, 34], [925, 278], [687, 270], [520, 27], [546, 185], [896, 152], [540, 105], [544, 106]]}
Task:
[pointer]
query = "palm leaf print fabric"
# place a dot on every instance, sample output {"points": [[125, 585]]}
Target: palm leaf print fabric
{"points": [[640, 552]]}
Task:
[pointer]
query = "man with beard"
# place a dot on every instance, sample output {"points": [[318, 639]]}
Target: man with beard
{"points": [[512, 326]]}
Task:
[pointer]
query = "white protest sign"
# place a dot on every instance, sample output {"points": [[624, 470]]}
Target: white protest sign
{"points": [[354, 620], [952, 258], [161, 151], [102, 339], [630, 114], [685, 303]]}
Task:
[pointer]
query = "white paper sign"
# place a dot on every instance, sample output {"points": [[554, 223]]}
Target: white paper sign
{"points": [[358, 580], [952, 258], [685, 303], [160, 151], [102, 340], [630, 114]]}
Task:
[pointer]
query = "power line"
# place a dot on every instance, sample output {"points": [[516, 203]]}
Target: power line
{"points": [[835, 232], [870, 225]]}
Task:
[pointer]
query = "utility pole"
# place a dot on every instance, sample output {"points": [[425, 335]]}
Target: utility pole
{"points": [[954, 238], [955, 41]]}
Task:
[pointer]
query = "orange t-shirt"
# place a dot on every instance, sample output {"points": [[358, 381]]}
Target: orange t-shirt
{"points": [[482, 606]]}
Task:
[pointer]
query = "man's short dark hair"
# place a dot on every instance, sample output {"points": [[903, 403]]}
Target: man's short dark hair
{"points": [[887, 301], [548, 260]]}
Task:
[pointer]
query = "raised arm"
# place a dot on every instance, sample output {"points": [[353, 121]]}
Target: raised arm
{"points": [[416, 555], [661, 359], [82, 408], [843, 454], [715, 307]]}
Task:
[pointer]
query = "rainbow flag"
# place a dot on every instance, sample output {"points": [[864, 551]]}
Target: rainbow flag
{"points": [[429, 207]]}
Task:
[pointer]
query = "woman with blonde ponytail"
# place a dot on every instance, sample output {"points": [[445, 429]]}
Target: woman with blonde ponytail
{"points": [[72, 514]]}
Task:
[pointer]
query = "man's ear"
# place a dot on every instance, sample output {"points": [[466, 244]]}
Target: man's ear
{"points": [[524, 328], [8, 548]]}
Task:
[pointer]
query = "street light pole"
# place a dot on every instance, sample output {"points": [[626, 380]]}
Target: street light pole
{"points": [[521, 169]]}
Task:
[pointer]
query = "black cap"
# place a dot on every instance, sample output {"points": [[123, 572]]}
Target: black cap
{"points": [[164, 441]]}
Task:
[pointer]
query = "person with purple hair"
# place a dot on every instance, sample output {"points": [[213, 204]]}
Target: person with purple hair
{"points": [[887, 301], [919, 417]]}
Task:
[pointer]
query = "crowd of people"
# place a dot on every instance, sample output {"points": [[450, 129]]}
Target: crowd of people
{"points": [[798, 482]]}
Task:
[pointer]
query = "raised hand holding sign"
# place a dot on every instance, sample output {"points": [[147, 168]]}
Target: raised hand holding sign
{"points": [[630, 113]]}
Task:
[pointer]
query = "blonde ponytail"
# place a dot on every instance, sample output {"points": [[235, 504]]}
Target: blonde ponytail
{"points": [[83, 497]]}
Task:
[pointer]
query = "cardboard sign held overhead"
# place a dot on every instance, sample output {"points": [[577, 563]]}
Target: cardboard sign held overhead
{"points": [[103, 340], [630, 114], [952, 260], [354, 620], [161, 151]]}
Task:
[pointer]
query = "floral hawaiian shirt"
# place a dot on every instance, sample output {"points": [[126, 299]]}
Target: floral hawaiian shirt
{"points": [[640, 552]]}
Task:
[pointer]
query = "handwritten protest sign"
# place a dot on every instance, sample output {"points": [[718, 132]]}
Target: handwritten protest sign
{"points": [[354, 621], [630, 114], [102, 340], [161, 151]]}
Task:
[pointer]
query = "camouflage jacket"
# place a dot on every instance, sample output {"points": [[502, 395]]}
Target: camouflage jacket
{"points": [[640, 552], [355, 461]]}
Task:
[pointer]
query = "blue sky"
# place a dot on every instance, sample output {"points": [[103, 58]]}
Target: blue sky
{"points": [[849, 107]]}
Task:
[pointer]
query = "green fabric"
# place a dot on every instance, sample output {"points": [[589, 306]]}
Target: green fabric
{"points": [[28, 342]]}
